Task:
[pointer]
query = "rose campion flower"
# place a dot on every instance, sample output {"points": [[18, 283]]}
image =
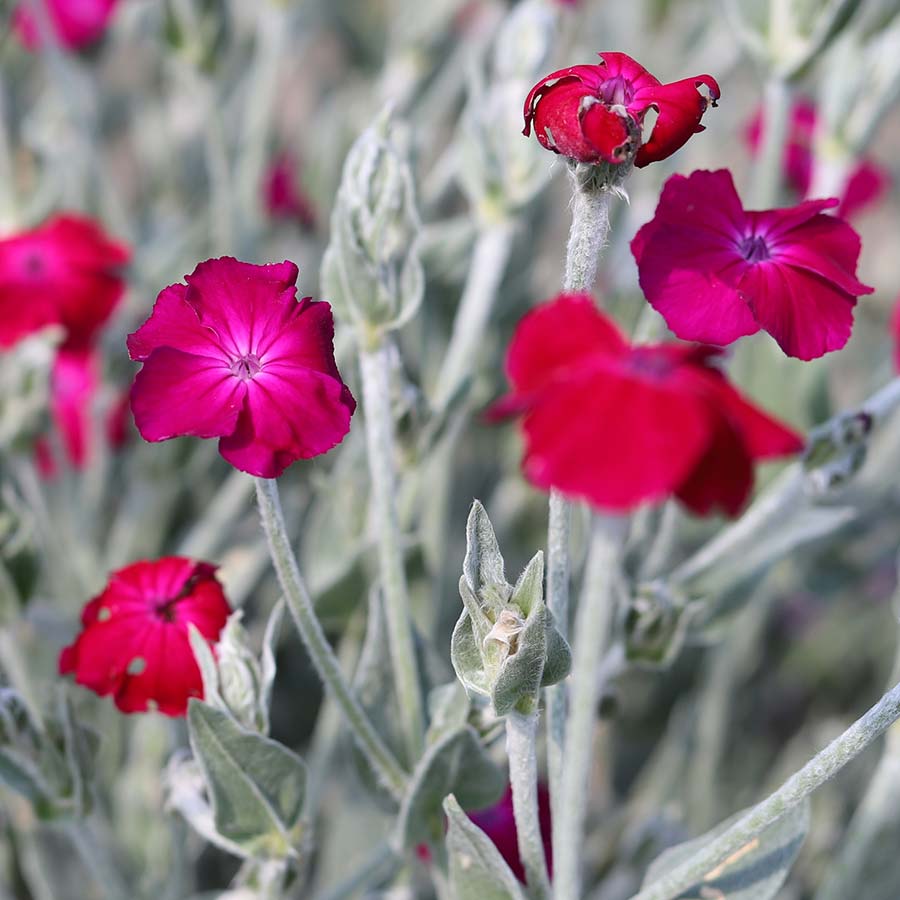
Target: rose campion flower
{"points": [[620, 425], [499, 824], [716, 272], [76, 23], [282, 195], [866, 183], [66, 272], [134, 643], [596, 113], [233, 354]]}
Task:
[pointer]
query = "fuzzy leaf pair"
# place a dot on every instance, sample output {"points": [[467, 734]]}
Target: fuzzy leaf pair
{"points": [[505, 646]]}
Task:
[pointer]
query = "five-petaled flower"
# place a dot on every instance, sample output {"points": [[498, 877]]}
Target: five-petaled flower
{"points": [[75, 23], [134, 642], [66, 272], [717, 272], [232, 354], [620, 425], [866, 181], [596, 113]]}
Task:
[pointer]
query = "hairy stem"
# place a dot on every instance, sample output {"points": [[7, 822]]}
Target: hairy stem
{"points": [[375, 368], [302, 611], [595, 615], [588, 232], [521, 748], [489, 260], [558, 604], [767, 180], [797, 788]]}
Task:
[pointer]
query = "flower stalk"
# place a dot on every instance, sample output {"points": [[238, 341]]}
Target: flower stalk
{"points": [[375, 369], [521, 748], [303, 613], [596, 611], [799, 786], [767, 180]]}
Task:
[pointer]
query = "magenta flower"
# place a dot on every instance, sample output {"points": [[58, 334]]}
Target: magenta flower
{"points": [[716, 272], [232, 354], [76, 23], [866, 181], [595, 114]]}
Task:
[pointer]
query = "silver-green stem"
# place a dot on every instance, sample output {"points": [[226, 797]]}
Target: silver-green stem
{"points": [[492, 249], [587, 238], [770, 161], [596, 610], [799, 786], [375, 367], [588, 232], [521, 748], [302, 611], [558, 604]]}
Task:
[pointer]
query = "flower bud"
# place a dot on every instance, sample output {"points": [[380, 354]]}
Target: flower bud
{"points": [[656, 624], [371, 270], [504, 646]]}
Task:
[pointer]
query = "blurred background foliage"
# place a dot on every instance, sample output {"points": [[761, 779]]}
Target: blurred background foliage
{"points": [[166, 130]]}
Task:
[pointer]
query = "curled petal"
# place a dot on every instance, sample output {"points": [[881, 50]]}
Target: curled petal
{"points": [[680, 107]]}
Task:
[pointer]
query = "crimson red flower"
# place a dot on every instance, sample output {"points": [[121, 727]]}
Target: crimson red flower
{"points": [[717, 272], [76, 23], [596, 113], [866, 183], [620, 425], [66, 272], [283, 197], [499, 824], [134, 640], [232, 354]]}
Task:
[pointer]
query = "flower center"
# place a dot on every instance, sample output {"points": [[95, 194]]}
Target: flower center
{"points": [[33, 265], [754, 248], [165, 609], [616, 91], [245, 367], [648, 363]]}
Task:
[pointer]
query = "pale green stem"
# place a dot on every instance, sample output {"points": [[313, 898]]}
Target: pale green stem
{"points": [[379, 420], [521, 748], [16, 669], [220, 515], [492, 249], [96, 860], [768, 170], [596, 612], [558, 604], [587, 238], [323, 658], [587, 234], [796, 789], [374, 867]]}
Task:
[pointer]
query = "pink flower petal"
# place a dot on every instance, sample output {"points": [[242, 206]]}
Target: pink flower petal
{"points": [[681, 107], [178, 393], [174, 323], [805, 314], [291, 413], [73, 385]]}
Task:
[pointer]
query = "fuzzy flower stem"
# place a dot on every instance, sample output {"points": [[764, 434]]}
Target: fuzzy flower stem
{"points": [[375, 367], [588, 232], [492, 249], [587, 238], [596, 610], [558, 602], [301, 606], [796, 789], [521, 748], [768, 171]]}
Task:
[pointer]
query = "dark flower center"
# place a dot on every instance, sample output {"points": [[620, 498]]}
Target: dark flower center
{"points": [[754, 249], [33, 265], [616, 91], [246, 367], [165, 608], [649, 363]]}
